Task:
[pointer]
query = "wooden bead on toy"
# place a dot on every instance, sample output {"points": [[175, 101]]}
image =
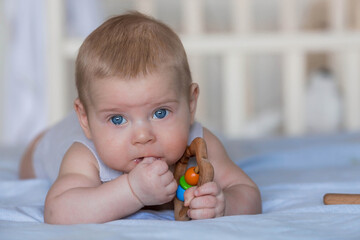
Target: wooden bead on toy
{"points": [[182, 188], [184, 184], [180, 193], [192, 176]]}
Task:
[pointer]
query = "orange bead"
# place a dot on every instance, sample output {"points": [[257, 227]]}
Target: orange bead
{"points": [[191, 177]]}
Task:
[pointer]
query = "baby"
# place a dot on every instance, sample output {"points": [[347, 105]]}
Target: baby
{"points": [[133, 119]]}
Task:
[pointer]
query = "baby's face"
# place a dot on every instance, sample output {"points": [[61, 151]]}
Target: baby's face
{"points": [[144, 117]]}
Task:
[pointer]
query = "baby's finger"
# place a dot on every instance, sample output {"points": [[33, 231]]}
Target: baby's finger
{"points": [[171, 187], [148, 160], [166, 178], [207, 201], [202, 213], [210, 188], [159, 167], [189, 196]]}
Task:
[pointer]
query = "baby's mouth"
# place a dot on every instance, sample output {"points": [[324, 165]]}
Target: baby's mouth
{"points": [[140, 159]]}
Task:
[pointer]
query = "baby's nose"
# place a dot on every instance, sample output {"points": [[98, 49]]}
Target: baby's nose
{"points": [[143, 133]]}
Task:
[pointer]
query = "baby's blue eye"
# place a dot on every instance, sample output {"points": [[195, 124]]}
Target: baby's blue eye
{"points": [[161, 113], [117, 120]]}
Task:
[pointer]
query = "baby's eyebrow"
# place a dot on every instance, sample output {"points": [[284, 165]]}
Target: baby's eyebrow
{"points": [[166, 102], [170, 104], [106, 110]]}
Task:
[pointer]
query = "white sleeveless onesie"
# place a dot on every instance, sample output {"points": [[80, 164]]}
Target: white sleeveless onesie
{"points": [[52, 147]]}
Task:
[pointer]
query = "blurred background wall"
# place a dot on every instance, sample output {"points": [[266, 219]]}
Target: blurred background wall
{"points": [[39, 40], [2, 58]]}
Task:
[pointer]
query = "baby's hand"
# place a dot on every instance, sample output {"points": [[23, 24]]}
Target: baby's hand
{"points": [[152, 182], [206, 201]]}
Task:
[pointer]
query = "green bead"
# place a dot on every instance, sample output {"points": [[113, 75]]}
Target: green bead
{"points": [[184, 184]]}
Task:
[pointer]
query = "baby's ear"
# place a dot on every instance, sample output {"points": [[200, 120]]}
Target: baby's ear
{"points": [[83, 118], [193, 97]]}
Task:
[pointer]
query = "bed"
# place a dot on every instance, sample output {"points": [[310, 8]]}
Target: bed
{"points": [[293, 174]]}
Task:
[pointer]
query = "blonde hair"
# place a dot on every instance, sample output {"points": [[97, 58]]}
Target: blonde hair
{"points": [[127, 46]]}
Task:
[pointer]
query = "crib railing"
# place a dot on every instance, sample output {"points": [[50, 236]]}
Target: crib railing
{"points": [[290, 42]]}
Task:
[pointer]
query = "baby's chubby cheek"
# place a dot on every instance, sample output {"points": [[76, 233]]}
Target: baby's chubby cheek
{"points": [[176, 156], [180, 145]]}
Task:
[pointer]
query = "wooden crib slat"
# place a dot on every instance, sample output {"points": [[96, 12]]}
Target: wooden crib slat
{"points": [[337, 13], [351, 77], [293, 92], [357, 16], [289, 20], [56, 80], [293, 73], [241, 15], [234, 115], [193, 24], [192, 13], [146, 7], [234, 93]]}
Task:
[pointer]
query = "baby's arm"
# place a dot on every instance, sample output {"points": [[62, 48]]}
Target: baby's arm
{"points": [[78, 196], [231, 193]]}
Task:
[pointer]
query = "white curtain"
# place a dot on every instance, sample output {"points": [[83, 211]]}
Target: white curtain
{"points": [[25, 111], [24, 108]]}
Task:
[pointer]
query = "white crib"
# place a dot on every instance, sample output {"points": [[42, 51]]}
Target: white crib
{"points": [[290, 42]]}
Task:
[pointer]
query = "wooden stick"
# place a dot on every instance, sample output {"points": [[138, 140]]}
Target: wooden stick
{"points": [[341, 198]]}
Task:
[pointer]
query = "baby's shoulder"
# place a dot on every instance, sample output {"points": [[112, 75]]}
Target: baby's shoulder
{"points": [[216, 151], [211, 139], [79, 159]]}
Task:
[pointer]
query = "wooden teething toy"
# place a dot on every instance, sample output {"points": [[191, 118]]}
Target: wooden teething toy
{"points": [[196, 176], [340, 198]]}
